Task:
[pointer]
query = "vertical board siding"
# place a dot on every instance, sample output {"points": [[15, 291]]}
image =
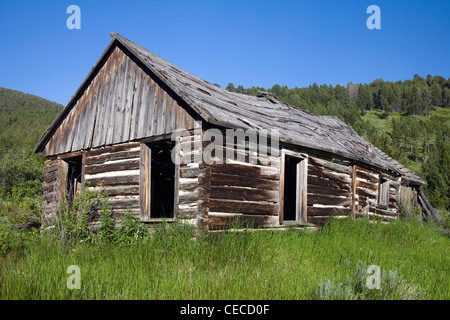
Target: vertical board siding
{"points": [[122, 103]]}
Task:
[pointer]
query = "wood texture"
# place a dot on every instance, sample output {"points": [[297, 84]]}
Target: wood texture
{"points": [[122, 103], [145, 181]]}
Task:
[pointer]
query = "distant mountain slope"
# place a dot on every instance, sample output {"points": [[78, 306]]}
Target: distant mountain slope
{"points": [[24, 117], [23, 120]]}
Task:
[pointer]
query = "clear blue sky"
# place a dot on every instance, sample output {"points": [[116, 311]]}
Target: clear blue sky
{"points": [[252, 43]]}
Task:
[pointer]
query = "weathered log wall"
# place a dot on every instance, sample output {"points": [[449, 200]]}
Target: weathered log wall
{"points": [[329, 189], [51, 189], [216, 194], [115, 170], [192, 180], [240, 190], [367, 192]]}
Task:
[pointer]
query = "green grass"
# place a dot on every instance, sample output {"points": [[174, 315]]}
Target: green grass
{"points": [[251, 265], [442, 113], [384, 125]]}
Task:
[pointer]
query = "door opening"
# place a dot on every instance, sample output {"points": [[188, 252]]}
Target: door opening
{"points": [[157, 183], [294, 189], [74, 178], [162, 180]]}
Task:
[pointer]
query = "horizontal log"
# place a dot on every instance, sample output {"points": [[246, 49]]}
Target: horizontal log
{"points": [[190, 145], [190, 158], [121, 190], [327, 211], [52, 197], [188, 172], [330, 165], [320, 221], [325, 173], [124, 203], [190, 212], [366, 193], [112, 149], [328, 200], [118, 213], [49, 188], [368, 185], [51, 168], [313, 189], [229, 206], [332, 184], [241, 170], [367, 176], [91, 160], [243, 194], [189, 186], [50, 177], [393, 191], [252, 182], [241, 220], [394, 184], [220, 153], [188, 197], [236, 143], [114, 181], [383, 212], [51, 162], [110, 167], [393, 206], [373, 216]]}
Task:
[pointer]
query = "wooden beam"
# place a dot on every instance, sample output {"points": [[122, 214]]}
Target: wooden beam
{"points": [[145, 181], [354, 191], [427, 205]]}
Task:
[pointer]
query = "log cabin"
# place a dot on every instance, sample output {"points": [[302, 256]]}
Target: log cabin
{"points": [[138, 127]]}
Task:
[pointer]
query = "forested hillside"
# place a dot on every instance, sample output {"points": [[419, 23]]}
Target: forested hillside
{"points": [[23, 120], [409, 120]]}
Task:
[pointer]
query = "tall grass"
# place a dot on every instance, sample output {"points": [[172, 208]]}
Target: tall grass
{"points": [[175, 264]]}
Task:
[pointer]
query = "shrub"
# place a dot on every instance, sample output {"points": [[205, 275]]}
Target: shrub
{"points": [[392, 286], [130, 230], [6, 238], [107, 224], [72, 219]]}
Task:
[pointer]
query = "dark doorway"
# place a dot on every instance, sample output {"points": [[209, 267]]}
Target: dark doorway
{"points": [[74, 178], [291, 176], [162, 180]]}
